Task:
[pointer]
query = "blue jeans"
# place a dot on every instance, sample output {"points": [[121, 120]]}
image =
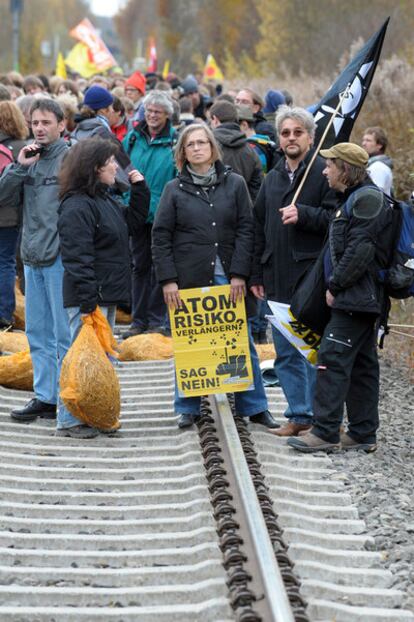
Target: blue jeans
{"points": [[75, 324], [47, 329], [8, 243], [258, 322], [248, 403], [297, 378]]}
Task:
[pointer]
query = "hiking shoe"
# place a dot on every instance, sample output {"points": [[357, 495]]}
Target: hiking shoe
{"points": [[310, 443], [186, 420], [78, 431], [34, 409], [348, 443]]}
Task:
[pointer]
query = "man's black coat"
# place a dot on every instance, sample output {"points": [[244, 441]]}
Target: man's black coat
{"points": [[283, 253]]}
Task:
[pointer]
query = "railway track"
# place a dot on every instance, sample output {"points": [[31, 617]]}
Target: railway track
{"points": [[160, 524]]}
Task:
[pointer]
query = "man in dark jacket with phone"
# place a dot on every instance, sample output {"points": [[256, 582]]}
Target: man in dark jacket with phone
{"points": [[358, 248]]}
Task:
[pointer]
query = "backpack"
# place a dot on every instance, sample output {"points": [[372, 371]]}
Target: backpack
{"points": [[398, 277], [266, 147], [6, 157]]}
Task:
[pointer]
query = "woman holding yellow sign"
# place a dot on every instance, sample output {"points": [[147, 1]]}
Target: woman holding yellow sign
{"points": [[203, 236]]}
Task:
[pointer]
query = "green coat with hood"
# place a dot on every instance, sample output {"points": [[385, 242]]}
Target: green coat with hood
{"points": [[154, 158]]}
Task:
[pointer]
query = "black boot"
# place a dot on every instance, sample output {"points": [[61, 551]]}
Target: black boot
{"points": [[264, 418], [33, 409]]}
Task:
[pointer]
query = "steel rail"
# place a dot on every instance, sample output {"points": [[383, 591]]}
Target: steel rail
{"points": [[275, 605]]}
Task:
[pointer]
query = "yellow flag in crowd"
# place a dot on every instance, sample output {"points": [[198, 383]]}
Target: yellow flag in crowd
{"points": [[79, 60], [99, 53], [211, 70], [60, 70], [166, 70]]}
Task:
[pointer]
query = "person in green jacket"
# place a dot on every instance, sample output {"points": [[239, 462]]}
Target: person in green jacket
{"points": [[150, 148]]}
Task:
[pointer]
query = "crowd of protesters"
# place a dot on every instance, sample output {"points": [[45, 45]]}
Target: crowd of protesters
{"points": [[123, 190]]}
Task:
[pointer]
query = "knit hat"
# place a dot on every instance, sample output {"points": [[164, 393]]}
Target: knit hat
{"points": [[273, 100], [137, 81], [348, 152], [96, 97], [189, 85]]}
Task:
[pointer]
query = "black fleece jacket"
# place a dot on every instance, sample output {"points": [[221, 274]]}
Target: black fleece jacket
{"points": [[94, 232], [359, 246]]}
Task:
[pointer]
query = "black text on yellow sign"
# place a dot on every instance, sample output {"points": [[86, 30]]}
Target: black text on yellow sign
{"points": [[211, 343]]}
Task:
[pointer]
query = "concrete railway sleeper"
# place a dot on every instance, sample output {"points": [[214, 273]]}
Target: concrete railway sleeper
{"points": [[158, 524]]}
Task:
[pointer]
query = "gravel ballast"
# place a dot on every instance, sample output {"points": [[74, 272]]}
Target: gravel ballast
{"points": [[382, 483]]}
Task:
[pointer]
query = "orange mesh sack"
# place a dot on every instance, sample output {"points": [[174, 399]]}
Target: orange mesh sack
{"points": [[265, 351], [89, 386], [13, 342], [19, 312], [151, 347], [16, 371]]}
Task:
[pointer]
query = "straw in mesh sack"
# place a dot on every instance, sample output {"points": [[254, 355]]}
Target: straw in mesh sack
{"points": [[19, 313], [88, 382], [16, 371], [13, 342], [151, 347], [266, 351]]}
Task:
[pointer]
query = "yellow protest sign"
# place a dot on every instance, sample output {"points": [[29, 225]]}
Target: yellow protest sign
{"points": [[300, 336], [211, 343]]}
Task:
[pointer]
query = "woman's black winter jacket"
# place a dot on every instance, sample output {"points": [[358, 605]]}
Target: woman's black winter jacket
{"points": [[191, 229], [94, 232], [360, 241]]}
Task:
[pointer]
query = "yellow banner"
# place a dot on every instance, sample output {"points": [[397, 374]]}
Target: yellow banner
{"points": [[99, 53], [300, 336], [60, 70], [79, 60], [166, 70], [211, 70], [211, 343]]}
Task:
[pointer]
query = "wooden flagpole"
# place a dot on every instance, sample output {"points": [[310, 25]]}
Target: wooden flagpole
{"points": [[327, 128]]}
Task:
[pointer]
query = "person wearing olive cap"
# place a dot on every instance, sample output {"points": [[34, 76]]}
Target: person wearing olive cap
{"points": [[357, 249]]}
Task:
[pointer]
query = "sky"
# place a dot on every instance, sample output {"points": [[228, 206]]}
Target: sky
{"points": [[106, 7]]}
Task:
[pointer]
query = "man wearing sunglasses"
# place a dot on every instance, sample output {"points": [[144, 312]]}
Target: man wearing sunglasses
{"points": [[288, 239]]}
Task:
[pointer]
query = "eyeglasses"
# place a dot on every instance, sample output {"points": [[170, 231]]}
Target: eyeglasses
{"points": [[197, 143], [296, 133], [155, 113]]}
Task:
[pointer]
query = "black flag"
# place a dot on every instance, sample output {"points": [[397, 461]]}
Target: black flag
{"points": [[357, 75]]}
